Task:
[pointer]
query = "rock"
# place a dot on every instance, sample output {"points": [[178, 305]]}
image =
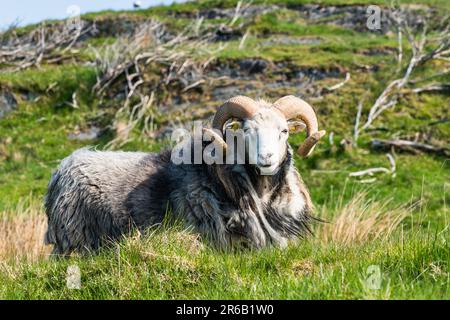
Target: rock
{"points": [[229, 13], [252, 66], [379, 51], [290, 41], [354, 17], [8, 102], [29, 95], [89, 134], [226, 33], [223, 93]]}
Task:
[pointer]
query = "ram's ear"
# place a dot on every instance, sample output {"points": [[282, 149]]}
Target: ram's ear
{"points": [[296, 126], [234, 125]]}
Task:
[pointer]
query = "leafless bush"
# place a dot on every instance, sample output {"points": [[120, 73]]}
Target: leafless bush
{"points": [[114, 60], [177, 64], [30, 49], [426, 45], [127, 119], [125, 61]]}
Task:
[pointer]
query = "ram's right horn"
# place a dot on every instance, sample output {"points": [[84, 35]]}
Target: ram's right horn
{"points": [[292, 107], [240, 107]]}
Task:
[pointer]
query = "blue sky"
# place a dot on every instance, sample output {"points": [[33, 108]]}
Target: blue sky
{"points": [[32, 11]]}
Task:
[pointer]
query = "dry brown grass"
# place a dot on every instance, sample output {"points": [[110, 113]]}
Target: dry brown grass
{"points": [[22, 228], [22, 232], [361, 220]]}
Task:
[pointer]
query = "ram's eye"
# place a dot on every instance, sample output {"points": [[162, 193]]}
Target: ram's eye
{"points": [[285, 131]]}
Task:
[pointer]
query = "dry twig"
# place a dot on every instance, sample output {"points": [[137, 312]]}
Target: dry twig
{"points": [[410, 146], [425, 47], [42, 43], [372, 171]]}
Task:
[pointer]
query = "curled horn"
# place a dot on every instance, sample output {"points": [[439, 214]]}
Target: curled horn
{"points": [[240, 107], [293, 107]]}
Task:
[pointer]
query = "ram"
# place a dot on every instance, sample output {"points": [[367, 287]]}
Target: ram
{"points": [[95, 197]]}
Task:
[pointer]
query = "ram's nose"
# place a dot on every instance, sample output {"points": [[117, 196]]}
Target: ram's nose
{"points": [[265, 159]]}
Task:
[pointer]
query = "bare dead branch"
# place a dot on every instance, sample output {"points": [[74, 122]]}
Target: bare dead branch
{"points": [[445, 87], [358, 119], [127, 58], [392, 162], [340, 84], [372, 171], [239, 11], [43, 43], [425, 47], [410, 146], [369, 172], [436, 75]]}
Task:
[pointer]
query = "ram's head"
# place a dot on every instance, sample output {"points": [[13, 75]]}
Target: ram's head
{"points": [[266, 127]]}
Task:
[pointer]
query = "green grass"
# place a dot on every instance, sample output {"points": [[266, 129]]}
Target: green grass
{"points": [[34, 138], [172, 264]]}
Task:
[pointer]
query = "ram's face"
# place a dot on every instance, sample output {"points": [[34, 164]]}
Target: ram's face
{"points": [[265, 129], [266, 137]]}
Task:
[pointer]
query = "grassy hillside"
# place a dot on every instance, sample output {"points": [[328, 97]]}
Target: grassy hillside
{"points": [[396, 220]]}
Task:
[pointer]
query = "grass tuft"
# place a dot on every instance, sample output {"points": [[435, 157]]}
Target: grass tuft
{"points": [[22, 232], [362, 220]]}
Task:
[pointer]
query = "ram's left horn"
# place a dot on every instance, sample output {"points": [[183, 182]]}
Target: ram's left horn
{"points": [[292, 107]]}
